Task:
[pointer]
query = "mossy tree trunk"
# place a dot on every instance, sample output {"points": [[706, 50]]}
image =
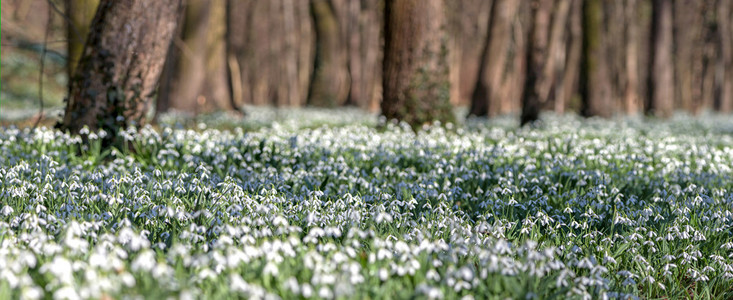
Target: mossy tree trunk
{"points": [[660, 101], [123, 57], [330, 84], [194, 77], [416, 83], [80, 13], [595, 84]]}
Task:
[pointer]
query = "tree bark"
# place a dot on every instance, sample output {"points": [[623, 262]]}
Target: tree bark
{"points": [[416, 83], [331, 82], [194, 77], [80, 13], [537, 79], [123, 58], [661, 75], [595, 84], [486, 96]]}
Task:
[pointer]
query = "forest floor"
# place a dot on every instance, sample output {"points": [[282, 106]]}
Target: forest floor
{"points": [[323, 204]]}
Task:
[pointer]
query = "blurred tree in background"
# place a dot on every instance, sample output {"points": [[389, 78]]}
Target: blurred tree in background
{"points": [[597, 58], [194, 78]]}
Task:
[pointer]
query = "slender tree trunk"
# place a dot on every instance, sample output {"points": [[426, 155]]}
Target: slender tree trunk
{"points": [[533, 95], [595, 84], [416, 86], [661, 75], [631, 32], [194, 77], [486, 93], [724, 99], [361, 24], [709, 54], [80, 13], [331, 82], [569, 82], [469, 22], [556, 56], [123, 58]]}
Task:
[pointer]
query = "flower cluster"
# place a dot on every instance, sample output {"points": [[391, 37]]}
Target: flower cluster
{"points": [[576, 209]]}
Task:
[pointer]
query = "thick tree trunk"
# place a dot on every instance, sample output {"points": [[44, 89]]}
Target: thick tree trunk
{"points": [[123, 58], [270, 50], [416, 86], [80, 13], [661, 74], [331, 82], [487, 97], [194, 77], [595, 84], [537, 80]]}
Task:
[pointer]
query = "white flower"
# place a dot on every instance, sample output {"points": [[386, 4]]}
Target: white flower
{"points": [[6, 211], [270, 269], [66, 292], [383, 274]]}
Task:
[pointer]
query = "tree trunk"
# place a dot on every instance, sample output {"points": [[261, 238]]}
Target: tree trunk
{"points": [[270, 49], [416, 83], [661, 74], [569, 82], [80, 13], [631, 51], [512, 83], [123, 58], [362, 24], [556, 55], [486, 96], [468, 27], [724, 76], [688, 49], [595, 84], [330, 84], [194, 77], [533, 95]]}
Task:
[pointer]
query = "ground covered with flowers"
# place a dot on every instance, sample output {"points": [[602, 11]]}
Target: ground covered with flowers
{"points": [[570, 209]]}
